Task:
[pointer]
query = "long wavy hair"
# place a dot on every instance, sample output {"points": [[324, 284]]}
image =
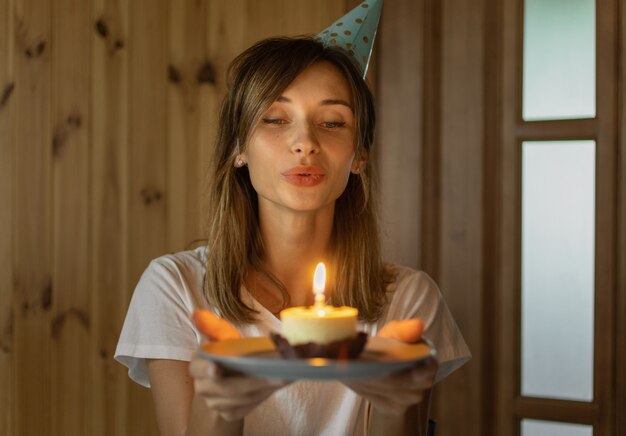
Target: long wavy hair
{"points": [[256, 78]]}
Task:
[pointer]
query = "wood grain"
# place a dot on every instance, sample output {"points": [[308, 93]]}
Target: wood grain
{"points": [[7, 179], [109, 212], [191, 72], [461, 261], [32, 281], [147, 159], [71, 322], [506, 374], [400, 135], [606, 210], [620, 363]]}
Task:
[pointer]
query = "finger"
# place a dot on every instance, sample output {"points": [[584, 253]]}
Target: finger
{"points": [[214, 327], [408, 330]]}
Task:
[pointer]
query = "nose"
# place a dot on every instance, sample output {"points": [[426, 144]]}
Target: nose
{"points": [[305, 141]]}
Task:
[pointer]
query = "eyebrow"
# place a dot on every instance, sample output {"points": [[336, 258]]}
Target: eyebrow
{"points": [[325, 102]]}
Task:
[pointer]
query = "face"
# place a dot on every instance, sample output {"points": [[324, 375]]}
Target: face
{"points": [[302, 150]]}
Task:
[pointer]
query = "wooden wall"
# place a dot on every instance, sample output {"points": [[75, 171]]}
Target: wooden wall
{"points": [[107, 112], [431, 85]]}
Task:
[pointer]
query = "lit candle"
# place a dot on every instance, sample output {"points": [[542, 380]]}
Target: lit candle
{"points": [[319, 323], [319, 283]]}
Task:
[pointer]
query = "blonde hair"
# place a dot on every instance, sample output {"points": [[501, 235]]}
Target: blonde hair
{"points": [[256, 78]]}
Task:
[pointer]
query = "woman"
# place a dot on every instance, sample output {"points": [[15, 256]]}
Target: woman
{"points": [[290, 186]]}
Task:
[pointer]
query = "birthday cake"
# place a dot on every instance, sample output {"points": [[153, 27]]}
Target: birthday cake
{"points": [[329, 332]]}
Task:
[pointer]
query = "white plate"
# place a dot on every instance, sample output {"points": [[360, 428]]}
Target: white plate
{"points": [[258, 357]]}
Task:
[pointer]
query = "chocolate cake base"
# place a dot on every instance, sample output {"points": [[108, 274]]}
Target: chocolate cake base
{"points": [[340, 350]]}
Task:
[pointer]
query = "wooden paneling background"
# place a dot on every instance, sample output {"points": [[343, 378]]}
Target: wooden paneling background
{"points": [[107, 113]]}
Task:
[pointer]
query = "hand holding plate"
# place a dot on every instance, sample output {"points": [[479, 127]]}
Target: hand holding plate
{"points": [[395, 393], [233, 395]]}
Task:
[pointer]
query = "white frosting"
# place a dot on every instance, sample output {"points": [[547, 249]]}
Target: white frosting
{"points": [[310, 324]]}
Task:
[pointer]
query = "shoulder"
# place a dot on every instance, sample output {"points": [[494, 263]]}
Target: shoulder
{"points": [[182, 266], [413, 294], [174, 277], [158, 322], [406, 277], [411, 291], [416, 295], [187, 261]]}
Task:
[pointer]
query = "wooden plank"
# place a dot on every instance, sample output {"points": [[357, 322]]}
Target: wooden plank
{"points": [[492, 191], [620, 343], [400, 109], [71, 322], [147, 163], [225, 35], [7, 177], [559, 130], [191, 70], [431, 160], [109, 213], [606, 210], [32, 285], [461, 264], [225, 39], [296, 17], [557, 410], [507, 386]]}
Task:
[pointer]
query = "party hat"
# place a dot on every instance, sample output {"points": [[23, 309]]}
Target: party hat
{"points": [[355, 32]]}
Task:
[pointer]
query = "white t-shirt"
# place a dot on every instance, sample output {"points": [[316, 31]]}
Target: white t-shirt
{"points": [[158, 326]]}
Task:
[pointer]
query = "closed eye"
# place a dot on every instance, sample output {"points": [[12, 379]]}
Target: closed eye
{"points": [[274, 121], [333, 124]]}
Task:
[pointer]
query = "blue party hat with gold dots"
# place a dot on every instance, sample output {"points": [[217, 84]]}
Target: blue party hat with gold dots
{"points": [[355, 32]]}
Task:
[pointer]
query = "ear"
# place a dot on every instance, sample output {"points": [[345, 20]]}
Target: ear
{"points": [[240, 160], [360, 162]]}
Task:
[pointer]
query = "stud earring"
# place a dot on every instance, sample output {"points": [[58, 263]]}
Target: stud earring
{"points": [[239, 162], [357, 170]]}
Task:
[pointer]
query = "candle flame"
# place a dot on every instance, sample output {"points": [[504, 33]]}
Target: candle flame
{"points": [[319, 282], [319, 278]]}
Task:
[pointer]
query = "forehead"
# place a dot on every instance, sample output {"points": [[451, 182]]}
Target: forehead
{"points": [[321, 79]]}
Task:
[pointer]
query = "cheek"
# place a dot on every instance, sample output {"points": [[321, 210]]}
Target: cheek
{"points": [[257, 176], [261, 168]]}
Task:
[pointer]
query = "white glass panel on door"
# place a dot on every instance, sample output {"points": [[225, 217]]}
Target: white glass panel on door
{"points": [[559, 59], [558, 237], [531, 427]]}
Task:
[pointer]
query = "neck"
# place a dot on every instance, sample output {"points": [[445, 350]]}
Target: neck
{"points": [[293, 245]]}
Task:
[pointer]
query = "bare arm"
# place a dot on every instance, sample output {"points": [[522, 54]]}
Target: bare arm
{"points": [[178, 411], [200, 397]]}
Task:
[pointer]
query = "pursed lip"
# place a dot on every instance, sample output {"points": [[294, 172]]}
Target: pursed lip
{"points": [[304, 175], [304, 170]]}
